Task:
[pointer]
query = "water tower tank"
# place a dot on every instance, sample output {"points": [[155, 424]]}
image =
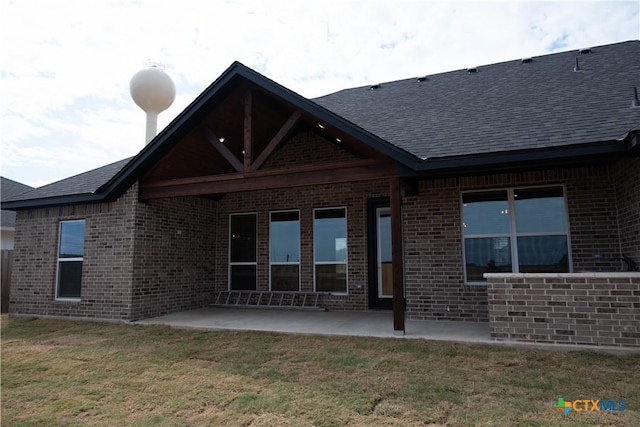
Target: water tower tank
{"points": [[152, 90]]}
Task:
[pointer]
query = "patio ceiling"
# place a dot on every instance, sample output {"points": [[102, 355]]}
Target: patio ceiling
{"points": [[224, 151]]}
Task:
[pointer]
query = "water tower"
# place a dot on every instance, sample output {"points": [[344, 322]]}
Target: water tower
{"points": [[152, 90]]}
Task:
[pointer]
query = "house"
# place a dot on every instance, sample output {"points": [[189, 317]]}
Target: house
{"points": [[9, 189], [497, 193]]}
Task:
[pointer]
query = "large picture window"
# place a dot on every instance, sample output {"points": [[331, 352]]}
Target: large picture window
{"points": [[520, 230], [70, 259], [330, 250], [242, 252], [284, 233]]}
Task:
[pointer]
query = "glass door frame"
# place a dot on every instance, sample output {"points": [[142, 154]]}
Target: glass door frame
{"points": [[379, 212], [375, 301]]}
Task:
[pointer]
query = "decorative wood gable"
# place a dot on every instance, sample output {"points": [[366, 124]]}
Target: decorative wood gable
{"points": [[238, 145]]}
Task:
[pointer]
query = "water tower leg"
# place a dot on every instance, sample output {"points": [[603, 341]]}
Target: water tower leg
{"points": [[152, 126]]}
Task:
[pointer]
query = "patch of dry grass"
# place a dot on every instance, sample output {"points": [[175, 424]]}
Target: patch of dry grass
{"points": [[57, 372]]}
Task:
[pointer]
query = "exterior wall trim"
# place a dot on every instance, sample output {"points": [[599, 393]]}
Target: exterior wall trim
{"points": [[586, 274]]}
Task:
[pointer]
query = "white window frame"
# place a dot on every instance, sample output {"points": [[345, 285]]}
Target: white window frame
{"points": [[255, 263], [513, 233], [299, 262], [59, 260], [346, 258]]}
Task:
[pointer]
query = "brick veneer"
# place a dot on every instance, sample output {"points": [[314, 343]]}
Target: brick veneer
{"points": [[306, 148], [140, 260], [108, 260], [148, 259], [586, 308], [301, 149], [627, 183], [174, 256], [352, 196], [433, 243], [433, 239]]}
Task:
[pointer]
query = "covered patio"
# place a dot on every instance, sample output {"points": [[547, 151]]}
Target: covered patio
{"points": [[295, 186]]}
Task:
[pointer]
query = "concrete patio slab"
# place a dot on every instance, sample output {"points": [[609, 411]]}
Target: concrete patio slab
{"points": [[347, 323], [365, 324]]}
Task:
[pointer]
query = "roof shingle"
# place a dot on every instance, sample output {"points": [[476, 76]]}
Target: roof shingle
{"points": [[8, 189], [84, 183], [503, 107]]}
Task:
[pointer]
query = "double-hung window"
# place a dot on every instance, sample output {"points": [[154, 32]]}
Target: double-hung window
{"points": [[520, 230], [284, 267], [70, 259], [330, 249], [242, 252]]}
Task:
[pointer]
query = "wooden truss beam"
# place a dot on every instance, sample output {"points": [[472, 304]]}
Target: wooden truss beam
{"points": [[223, 150], [276, 140], [248, 164], [328, 173], [248, 129]]}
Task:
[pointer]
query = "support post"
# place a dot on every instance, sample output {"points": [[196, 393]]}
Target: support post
{"points": [[395, 196], [248, 129]]}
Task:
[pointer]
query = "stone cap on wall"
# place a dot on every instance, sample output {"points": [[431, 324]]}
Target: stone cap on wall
{"points": [[616, 274]]}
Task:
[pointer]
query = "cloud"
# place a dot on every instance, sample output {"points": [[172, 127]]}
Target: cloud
{"points": [[66, 66]]}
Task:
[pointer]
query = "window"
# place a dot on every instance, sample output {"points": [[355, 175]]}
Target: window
{"points": [[330, 250], [242, 252], [285, 251], [521, 230], [70, 259]]}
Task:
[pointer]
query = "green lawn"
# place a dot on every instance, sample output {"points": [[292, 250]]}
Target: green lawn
{"points": [[57, 372]]}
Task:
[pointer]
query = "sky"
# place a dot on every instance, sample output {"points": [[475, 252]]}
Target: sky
{"points": [[65, 66]]}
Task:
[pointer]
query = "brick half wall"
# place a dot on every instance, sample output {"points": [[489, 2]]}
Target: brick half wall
{"points": [[598, 309]]}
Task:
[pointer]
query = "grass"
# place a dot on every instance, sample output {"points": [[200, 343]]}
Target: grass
{"points": [[73, 373]]}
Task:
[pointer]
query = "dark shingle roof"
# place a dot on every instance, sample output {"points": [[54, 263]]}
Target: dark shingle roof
{"points": [[84, 183], [503, 107], [8, 189]]}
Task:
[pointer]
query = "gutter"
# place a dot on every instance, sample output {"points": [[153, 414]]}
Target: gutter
{"points": [[526, 159], [49, 202]]}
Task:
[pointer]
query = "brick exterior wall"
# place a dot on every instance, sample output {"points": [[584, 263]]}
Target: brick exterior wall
{"points": [[108, 260], [593, 225], [305, 199], [140, 260], [174, 256], [590, 197], [433, 256], [306, 148], [627, 182], [599, 309], [149, 259], [434, 278], [433, 238]]}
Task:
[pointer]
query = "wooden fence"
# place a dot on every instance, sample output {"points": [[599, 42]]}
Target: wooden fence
{"points": [[5, 272]]}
